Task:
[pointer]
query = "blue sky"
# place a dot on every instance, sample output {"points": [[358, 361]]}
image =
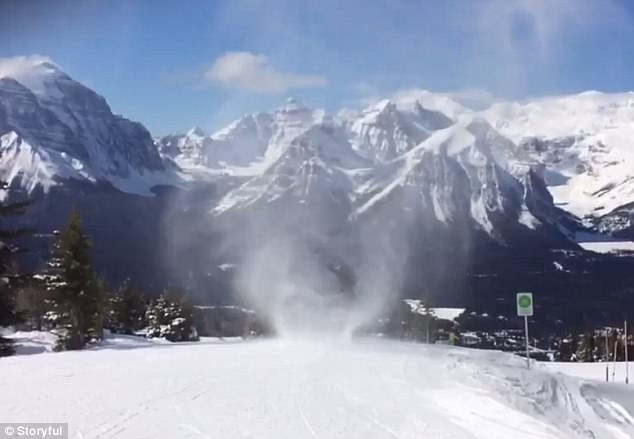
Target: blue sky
{"points": [[172, 65]]}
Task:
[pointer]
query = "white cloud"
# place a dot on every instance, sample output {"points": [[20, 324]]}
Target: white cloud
{"points": [[253, 72], [31, 71], [472, 98], [18, 65], [475, 98]]}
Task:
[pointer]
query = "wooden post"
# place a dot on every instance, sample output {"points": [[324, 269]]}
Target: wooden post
{"points": [[607, 357], [616, 343], [627, 369]]}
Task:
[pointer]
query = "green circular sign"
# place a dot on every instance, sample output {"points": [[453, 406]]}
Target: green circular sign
{"points": [[524, 301]]}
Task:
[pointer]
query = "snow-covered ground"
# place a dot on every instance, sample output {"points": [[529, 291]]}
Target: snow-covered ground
{"points": [[608, 246], [616, 397], [600, 243], [594, 371], [304, 389]]}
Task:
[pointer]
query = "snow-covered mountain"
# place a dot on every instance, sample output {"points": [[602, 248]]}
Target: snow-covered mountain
{"points": [[447, 171], [364, 155], [313, 165], [584, 143], [385, 130], [188, 150], [247, 146], [418, 161], [448, 185], [453, 174], [579, 145], [53, 128]]}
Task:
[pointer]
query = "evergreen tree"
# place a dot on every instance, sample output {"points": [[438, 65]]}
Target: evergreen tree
{"points": [[612, 341], [586, 345], [76, 297], [98, 313], [568, 347], [8, 314], [574, 347], [52, 280], [126, 310], [9, 277], [421, 322], [31, 300], [171, 316]]}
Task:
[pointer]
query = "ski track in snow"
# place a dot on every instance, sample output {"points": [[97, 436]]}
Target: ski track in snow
{"points": [[301, 389]]}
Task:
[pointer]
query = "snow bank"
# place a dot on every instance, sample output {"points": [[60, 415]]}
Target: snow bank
{"points": [[38, 342]]}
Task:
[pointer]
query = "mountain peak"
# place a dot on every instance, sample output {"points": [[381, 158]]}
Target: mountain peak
{"points": [[34, 72], [48, 66], [196, 132], [69, 132], [441, 102], [386, 105]]}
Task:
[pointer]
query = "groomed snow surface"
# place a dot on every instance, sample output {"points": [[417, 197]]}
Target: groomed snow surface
{"points": [[369, 388]]}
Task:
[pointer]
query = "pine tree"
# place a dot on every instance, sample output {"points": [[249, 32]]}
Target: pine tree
{"points": [[51, 280], [126, 310], [421, 323], [585, 350], [171, 316], [31, 300], [9, 276], [98, 313], [77, 298], [8, 315]]}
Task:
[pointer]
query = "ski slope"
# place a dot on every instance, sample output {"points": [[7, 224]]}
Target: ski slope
{"points": [[303, 389]]}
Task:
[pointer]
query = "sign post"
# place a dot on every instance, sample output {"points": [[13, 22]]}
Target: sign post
{"points": [[524, 303]]}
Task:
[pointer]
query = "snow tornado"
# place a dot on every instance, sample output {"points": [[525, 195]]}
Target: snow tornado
{"points": [[308, 284]]}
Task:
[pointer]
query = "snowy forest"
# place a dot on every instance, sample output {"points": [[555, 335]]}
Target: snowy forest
{"points": [[69, 300]]}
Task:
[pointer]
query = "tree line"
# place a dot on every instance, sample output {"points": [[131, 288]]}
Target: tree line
{"points": [[68, 299], [595, 346]]}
